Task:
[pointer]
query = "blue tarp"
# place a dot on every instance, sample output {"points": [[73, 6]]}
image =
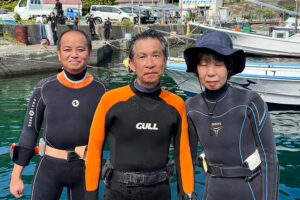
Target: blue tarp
{"points": [[7, 21]]}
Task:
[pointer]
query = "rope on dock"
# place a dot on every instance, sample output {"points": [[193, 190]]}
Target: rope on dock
{"points": [[118, 48], [165, 32]]}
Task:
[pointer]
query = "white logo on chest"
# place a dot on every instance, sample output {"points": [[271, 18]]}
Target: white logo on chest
{"points": [[146, 126], [75, 103], [216, 127]]}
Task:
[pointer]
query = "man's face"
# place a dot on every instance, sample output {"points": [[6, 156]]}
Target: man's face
{"points": [[73, 53], [149, 62]]}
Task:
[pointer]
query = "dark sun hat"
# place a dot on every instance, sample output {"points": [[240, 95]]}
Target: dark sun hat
{"points": [[218, 42]]}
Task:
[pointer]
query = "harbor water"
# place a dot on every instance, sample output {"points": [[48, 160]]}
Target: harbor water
{"points": [[15, 94]]}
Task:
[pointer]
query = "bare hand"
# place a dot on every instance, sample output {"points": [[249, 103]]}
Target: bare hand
{"points": [[17, 187]]}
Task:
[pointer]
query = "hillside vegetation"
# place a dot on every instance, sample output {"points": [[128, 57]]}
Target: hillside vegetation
{"points": [[248, 10]]}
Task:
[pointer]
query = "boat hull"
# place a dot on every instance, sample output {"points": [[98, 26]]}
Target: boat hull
{"points": [[258, 44], [275, 91]]}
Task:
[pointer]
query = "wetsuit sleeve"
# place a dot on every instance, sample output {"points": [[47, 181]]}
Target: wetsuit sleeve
{"points": [[193, 138], [184, 164], [32, 125], [265, 141], [95, 150]]}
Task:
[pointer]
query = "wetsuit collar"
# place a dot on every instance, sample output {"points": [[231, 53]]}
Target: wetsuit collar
{"points": [[215, 95], [145, 90], [76, 78]]}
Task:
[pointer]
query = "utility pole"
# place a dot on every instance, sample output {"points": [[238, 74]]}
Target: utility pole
{"points": [[195, 9], [132, 7], [181, 17], [78, 16], [296, 17]]}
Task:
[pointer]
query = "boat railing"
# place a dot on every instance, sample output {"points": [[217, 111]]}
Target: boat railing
{"points": [[168, 33]]}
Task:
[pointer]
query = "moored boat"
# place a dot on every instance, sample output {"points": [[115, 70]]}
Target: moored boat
{"points": [[276, 83], [279, 44]]}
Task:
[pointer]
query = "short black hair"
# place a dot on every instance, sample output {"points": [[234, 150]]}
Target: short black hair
{"points": [[150, 33], [88, 40], [210, 54]]}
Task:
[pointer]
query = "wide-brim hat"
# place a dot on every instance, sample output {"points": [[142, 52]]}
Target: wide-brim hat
{"points": [[220, 43]]}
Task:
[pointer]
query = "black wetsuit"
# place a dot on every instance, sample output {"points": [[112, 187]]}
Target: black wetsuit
{"points": [[240, 124], [66, 108], [92, 23], [139, 127], [107, 28], [53, 21], [59, 10]]}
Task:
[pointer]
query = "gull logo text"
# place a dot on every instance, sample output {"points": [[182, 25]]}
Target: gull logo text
{"points": [[146, 126]]}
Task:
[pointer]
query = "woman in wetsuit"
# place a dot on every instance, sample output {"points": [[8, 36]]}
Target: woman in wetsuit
{"points": [[232, 125]]}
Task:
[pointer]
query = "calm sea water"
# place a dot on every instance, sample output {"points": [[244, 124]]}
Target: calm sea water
{"points": [[15, 94]]}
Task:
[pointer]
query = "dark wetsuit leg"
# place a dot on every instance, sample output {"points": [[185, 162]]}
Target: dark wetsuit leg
{"points": [[53, 174], [106, 34], [119, 191]]}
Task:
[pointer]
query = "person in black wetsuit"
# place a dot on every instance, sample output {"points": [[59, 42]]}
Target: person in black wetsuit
{"points": [[232, 125], [139, 121], [60, 12], [65, 103], [52, 18], [92, 23], [107, 28]]}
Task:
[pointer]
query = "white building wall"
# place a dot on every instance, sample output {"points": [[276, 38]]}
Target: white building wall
{"points": [[211, 5]]}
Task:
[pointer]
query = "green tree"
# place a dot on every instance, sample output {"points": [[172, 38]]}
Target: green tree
{"points": [[9, 5]]}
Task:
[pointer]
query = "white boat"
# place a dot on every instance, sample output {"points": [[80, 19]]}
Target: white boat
{"points": [[275, 83], [279, 44]]}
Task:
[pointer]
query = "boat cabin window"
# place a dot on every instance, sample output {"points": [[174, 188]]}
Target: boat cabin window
{"points": [[280, 34]]}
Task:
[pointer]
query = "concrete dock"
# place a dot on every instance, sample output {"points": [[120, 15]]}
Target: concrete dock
{"points": [[18, 59]]}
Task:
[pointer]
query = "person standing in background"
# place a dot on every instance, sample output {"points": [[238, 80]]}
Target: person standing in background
{"points": [[59, 10], [107, 29], [53, 20], [75, 23], [91, 22]]}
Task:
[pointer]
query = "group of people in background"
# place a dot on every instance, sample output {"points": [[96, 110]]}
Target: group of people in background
{"points": [[140, 121]]}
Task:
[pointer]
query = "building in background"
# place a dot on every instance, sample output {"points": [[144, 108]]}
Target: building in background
{"points": [[203, 8]]}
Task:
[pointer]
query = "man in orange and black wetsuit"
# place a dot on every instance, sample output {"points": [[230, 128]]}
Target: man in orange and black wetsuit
{"points": [[66, 103], [140, 121]]}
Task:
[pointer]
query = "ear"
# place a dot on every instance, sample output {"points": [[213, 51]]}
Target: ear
{"points": [[58, 54], [132, 66], [165, 62], [90, 56]]}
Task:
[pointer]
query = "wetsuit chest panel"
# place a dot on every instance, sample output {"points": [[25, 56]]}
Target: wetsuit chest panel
{"points": [[228, 135], [139, 133], [240, 133], [69, 118]]}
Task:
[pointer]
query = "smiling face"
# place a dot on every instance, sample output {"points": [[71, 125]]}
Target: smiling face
{"points": [[212, 73], [149, 62], [73, 52]]}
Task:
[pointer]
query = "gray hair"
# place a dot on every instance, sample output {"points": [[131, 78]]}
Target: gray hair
{"points": [[150, 33]]}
